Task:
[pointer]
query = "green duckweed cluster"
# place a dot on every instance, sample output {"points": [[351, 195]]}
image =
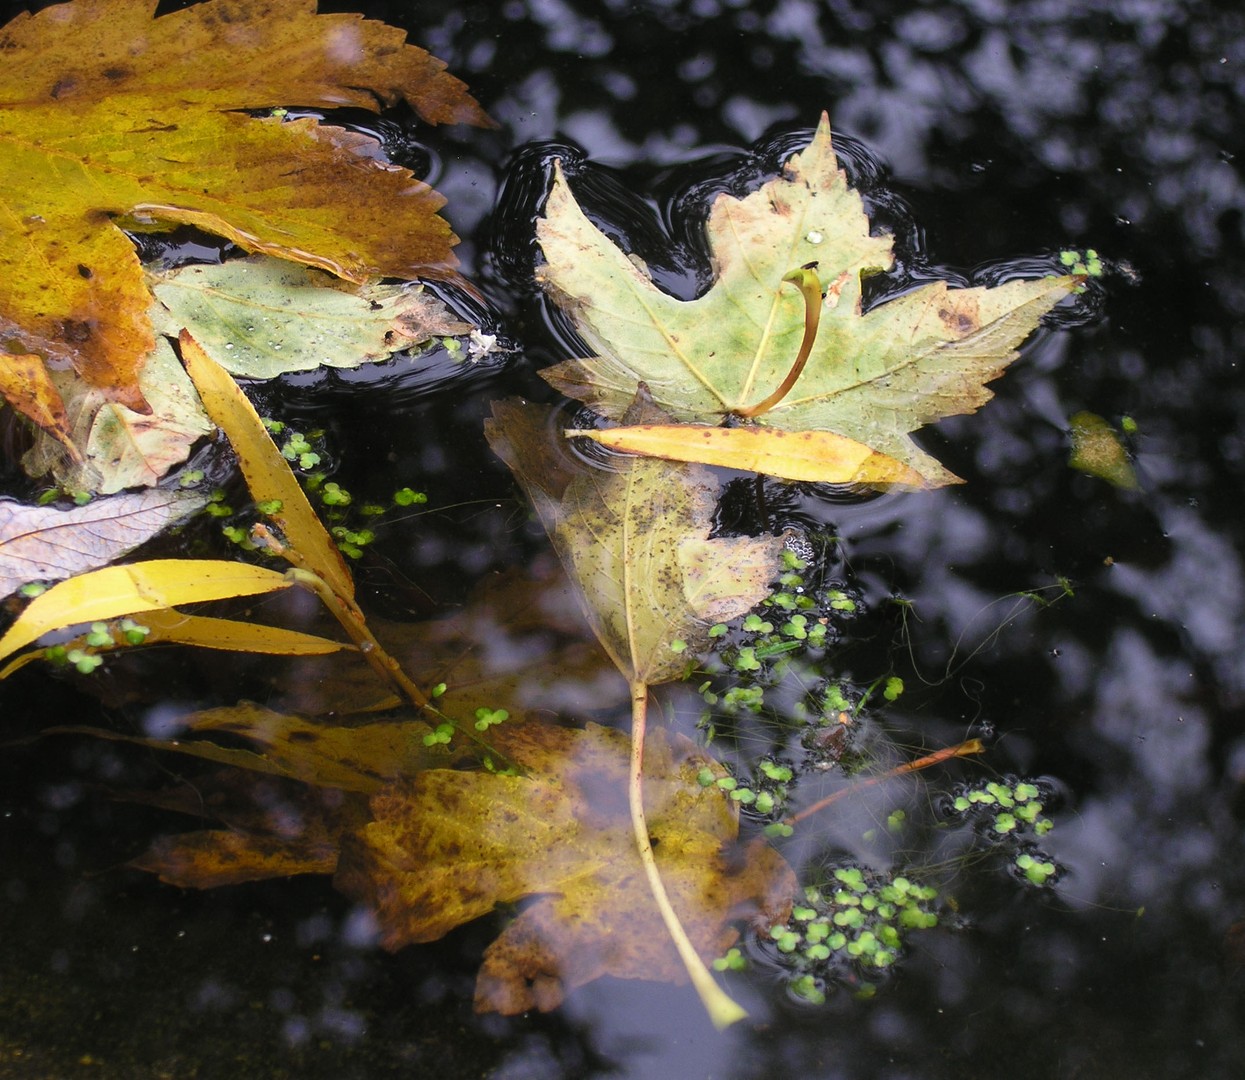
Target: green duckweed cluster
{"points": [[306, 452], [771, 654], [765, 794], [849, 931], [1009, 813], [82, 654]]}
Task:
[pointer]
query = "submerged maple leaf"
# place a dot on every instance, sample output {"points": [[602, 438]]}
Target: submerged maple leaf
{"points": [[448, 846], [872, 377], [105, 111]]}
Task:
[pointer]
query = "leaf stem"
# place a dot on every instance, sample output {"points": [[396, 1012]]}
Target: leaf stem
{"points": [[353, 622], [722, 1009], [806, 280]]}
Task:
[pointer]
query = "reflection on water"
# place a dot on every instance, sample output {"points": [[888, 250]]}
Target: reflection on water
{"points": [[1007, 128]]}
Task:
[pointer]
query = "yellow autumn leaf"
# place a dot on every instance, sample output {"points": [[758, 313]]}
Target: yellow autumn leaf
{"points": [[173, 627], [268, 475], [106, 111], [123, 590], [819, 456]]}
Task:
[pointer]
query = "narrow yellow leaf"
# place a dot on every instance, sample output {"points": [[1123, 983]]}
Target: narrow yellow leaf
{"points": [[177, 627], [267, 473], [124, 590], [819, 456]]}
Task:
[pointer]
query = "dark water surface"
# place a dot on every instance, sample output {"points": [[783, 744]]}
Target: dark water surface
{"points": [[1006, 130]]}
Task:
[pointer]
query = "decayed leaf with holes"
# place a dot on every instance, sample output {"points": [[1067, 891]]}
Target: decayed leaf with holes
{"points": [[262, 317], [105, 111], [873, 377], [44, 543], [448, 846], [113, 446]]}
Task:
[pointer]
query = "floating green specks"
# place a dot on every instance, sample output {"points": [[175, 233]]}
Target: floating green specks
{"points": [[1098, 450]]}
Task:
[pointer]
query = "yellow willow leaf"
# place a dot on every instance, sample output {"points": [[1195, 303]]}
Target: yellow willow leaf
{"points": [[170, 626], [268, 475], [174, 626], [123, 590], [819, 456]]}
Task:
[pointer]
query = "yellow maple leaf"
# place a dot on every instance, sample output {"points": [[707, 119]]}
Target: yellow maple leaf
{"points": [[105, 112]]}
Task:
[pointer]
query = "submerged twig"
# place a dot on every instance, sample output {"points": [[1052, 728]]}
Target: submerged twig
{"points": [[971, 746]]}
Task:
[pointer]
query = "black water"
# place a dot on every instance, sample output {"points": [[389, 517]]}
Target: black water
{"points": [[1005, 130]]}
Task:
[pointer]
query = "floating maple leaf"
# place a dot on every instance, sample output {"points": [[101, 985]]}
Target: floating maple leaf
{"points": [[107, 112], [871, 377]]}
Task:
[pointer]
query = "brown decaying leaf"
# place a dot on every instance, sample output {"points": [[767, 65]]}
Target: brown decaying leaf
{"points": [[113, 447], [105, 112], [273, 829], [448, 846], [45, 543]]}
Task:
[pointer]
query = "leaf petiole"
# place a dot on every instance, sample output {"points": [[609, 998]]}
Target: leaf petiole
{"points": [[722, 1009], [806, 280]]}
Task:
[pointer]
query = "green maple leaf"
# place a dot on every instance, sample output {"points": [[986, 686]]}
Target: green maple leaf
{"points": [[873, 377]]}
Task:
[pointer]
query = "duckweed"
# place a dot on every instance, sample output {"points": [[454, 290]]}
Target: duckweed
{"points": [[851, 927]]}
